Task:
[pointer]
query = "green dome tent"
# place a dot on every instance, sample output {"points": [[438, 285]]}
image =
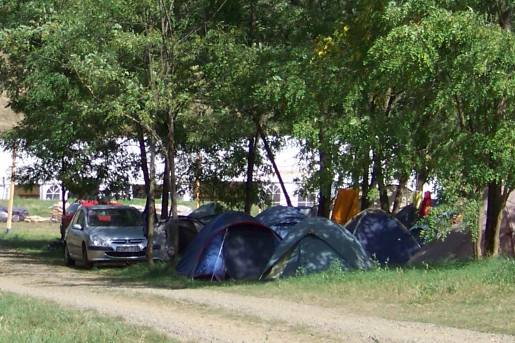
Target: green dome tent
{"points": [[313, 245]]}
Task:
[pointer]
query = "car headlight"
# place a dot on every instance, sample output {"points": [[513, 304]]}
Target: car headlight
{"points": [[99, 241]]}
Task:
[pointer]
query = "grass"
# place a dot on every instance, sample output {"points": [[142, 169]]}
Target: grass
{"points": [[475, 295], [43, 208], [31, 320], [39, 240], [36, 207]]}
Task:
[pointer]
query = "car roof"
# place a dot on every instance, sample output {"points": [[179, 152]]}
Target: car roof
{"points": [[107, 207]]}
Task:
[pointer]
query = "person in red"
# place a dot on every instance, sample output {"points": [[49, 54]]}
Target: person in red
{"points": [[425, 205]]}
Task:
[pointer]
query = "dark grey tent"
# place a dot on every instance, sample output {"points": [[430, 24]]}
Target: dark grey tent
{"points": [[313, 245], [164, 233], [281, 219], [207, 212], [407, 215], [458, 245], [383, 236]]}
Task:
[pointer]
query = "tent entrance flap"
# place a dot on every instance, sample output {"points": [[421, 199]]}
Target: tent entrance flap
{"points": [[247, 251]]}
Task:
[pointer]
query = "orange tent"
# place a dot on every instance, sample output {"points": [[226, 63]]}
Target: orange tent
{"points": [[346, 205]]}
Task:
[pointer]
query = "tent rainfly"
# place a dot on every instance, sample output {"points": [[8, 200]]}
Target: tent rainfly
{"points": [[383, 237], [233, 245], [281, 219], [313, 245]]}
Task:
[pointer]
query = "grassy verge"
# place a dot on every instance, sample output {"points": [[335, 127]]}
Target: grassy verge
{"points": [[475, 295], [30, 320], [35, 239]]}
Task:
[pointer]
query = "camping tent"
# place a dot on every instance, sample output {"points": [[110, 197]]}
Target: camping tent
{"points": [[281, 218], [233, 245], [345, 206], [163, 233], [458, 245], [407, 216], [383, 237], [313, 245], [207, 212]]}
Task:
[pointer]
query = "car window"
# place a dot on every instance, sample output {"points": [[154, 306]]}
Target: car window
{"points": [[111, 217], [74, 219], [80, 218], [72, 208]]}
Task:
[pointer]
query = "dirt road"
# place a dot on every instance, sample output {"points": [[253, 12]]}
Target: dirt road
{"points": [[203, 315]]}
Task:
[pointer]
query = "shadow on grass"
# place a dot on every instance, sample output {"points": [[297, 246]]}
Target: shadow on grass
{"points": [[40, 250]]}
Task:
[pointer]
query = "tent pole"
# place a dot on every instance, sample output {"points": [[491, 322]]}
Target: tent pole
{"points": [[11, 193], [218, 256]]}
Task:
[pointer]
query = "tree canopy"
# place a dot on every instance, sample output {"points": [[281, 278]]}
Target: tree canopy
{"points": [[374, 92]]}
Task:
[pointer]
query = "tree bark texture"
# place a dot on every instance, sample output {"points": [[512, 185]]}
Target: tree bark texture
{"points": [[495, 205]]}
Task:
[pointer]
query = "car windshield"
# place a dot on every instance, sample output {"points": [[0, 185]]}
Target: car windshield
{"points": [[114, 217]]}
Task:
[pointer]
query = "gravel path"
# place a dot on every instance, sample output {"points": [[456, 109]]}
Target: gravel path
{"points": [[205, 315]]}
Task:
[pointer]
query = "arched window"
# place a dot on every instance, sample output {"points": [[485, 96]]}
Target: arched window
{"points": [[275, 195], [307, 200], [53, 193]]}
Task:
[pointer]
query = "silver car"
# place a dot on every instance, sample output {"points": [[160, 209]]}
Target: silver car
{"points": [[105, 233]]}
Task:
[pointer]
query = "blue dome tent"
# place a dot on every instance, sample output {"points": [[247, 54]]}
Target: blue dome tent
{"points": [[383, 237], [233, 245]]}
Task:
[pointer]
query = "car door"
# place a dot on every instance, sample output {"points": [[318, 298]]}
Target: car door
{"points": [[74, 236]]}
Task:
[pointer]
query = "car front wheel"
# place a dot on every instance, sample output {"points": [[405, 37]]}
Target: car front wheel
{"points": [[68, 260], [85, 261]]}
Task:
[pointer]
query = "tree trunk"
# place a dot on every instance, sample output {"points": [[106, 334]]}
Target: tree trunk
{"points": [[151, 208], [325, 178], [274, 165], [403, 180], [143, 159], [505, 16], [63, 204], [173, 186], [166, 191], [251, 160], [496, 202], [383, 192], [171, 162], [198, 172], [365, 203], [478, 249]]}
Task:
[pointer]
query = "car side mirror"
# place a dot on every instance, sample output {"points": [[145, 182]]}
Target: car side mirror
{"points": [[77, 226]]}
